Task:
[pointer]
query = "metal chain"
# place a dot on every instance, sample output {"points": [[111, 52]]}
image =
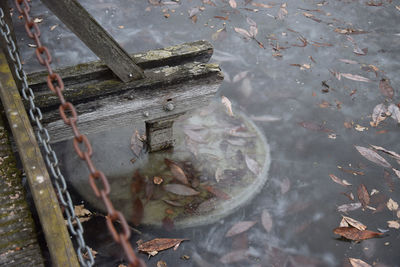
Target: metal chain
{"points": [[55, 84], [51, 159]]}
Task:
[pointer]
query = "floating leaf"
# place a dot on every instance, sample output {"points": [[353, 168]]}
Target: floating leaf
{"points": [[243, 32], [363, 195], [234, 256], [138, 212], [358, 263], [354, 223], [392, 205], [159, 244], [373, 156], [266, 220], [395, 112], [378, 114], [397, 172], [282, 13], [180, 189], [228, 105], [233, 3], [349, 207], [355, 77], [338, 181], [352, 233], [386, 88], [393, 224], [177, 171], [240, 227], [262, 5], [348, 61], [390, 153], [253, 165], [251, 22]]}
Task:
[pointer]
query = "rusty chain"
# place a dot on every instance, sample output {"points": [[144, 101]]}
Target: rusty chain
{"points": [[70, 117]]}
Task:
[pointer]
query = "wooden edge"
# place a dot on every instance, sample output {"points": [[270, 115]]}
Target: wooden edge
{"points": [[58, 241], [199, 51]]}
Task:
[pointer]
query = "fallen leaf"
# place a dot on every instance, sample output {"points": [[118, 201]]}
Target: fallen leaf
{"points": [[53, 27], [234, 256], [228, 105], [373, 156], [390, 153], [180, 189], [243, 32], [193, 11], [138, 212], [355, 223], [177, 171], [253, 165], [282, 13], [159, 244], [218, 193], [266, 220], [262, 5], [393, 224], [348, 61], [80, 211], [395, 112], [173, 203], [363, 195], [37, 20], [339, 181], [355, 77], [397, 172], [233, 3], [343, 223], [239, 228], [358, 263], [392, 205], [136, 143], [349, 207], [378, 114], [352, 233], [157, 180], [386, 88], [360, 128], [161, 264]]}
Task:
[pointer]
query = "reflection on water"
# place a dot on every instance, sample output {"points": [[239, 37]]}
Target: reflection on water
{"points": [[317, 120]]}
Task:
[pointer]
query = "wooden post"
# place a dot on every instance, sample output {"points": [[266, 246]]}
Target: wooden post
{"points": [[57, 238], [80, 22]]}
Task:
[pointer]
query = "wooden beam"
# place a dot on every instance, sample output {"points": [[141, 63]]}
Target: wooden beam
{"points": [[80, 22], [57, 238]]}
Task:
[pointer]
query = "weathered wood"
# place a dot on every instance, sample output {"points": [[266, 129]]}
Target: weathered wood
{"points": [[52, 221], [18, 240], [79, 21], [159, 133]]}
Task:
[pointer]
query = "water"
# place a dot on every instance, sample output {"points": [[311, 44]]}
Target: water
{"points": [[299, 195]]}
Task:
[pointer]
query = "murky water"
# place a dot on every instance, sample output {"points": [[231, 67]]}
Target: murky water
{"points": [[313, 137]]}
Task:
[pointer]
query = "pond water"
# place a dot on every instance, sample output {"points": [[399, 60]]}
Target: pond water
{"points": [[287, 80]]}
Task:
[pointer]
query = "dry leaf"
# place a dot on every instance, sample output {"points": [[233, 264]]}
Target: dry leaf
{"points": [[228, 105], [180, 189], [397, 172], [386, 88], [38, 20], [152, 247], [253, 165], [393, 224], [157, 180], [266, 220], [161, 264], [349, 207], [390, 153], [354, 223], [378, 114], [352, 233], [136, 143], [358, 263], [343, 223], [392, 205], [80, 211], [373, 156], [262, 5], [176, 171], [338, 181], [363, 195], [360, 128], [53, 27], [233, 3], [240, 227], [282, 13], [243, 32], [355, 77]]}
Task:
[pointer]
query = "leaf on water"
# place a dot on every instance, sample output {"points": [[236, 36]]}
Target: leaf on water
{"points": [[358, 263], [240, 227], [355, 77], [397, 172], [233, 3], [343, 223], [265, 118], [138, 212], [159, 244], [352, 233], [348, 61], [386, 88], [193, 11], [363, 195], [251, 22], [234, 256], [180, 189], [392, 205], [349, 207], [136, 143], [253, 165], [243, 32], [339, 181], [228, 105], [218, 193], [266, 220], [282, 13], [393, 224], [177, 171], [395, 112], [262, 5], [390, 153], [253, 31], [373, 156], [378, 114], [161, 264], [354, 223]]}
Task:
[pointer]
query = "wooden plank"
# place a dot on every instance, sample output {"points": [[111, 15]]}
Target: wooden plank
{"points": [[18, 243], [58, 241], [79, 21]]}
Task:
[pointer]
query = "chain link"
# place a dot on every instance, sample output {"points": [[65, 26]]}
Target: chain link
{"points": [[114, 216], [51, 159]]}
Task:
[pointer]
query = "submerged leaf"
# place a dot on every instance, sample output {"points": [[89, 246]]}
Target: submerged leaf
{"points": [[159, 244], [177, 171], [228, 105], [373, 156], [243, 32], [386, 88], [136, 143], [181, 190], [234, 256], [138, 212], [355, 234], [363, 195], [218, 193], [240, 227], [266, 220], [253, 165], [355, 77]]}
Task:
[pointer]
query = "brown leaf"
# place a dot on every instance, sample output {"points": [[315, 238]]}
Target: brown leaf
{"points": [[177, 171], [240, 227], [234, 256], [378, 114], [352, 233], [161, 264], [358, 263], [355, 77], [138, 212], [159, 244], [354, 223], [373, 156], [363, 195], [390, 153], [266, 220], [181, 190], [339, 181], [253, 165], [262, 5], [218, 193], [386, 88]]}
